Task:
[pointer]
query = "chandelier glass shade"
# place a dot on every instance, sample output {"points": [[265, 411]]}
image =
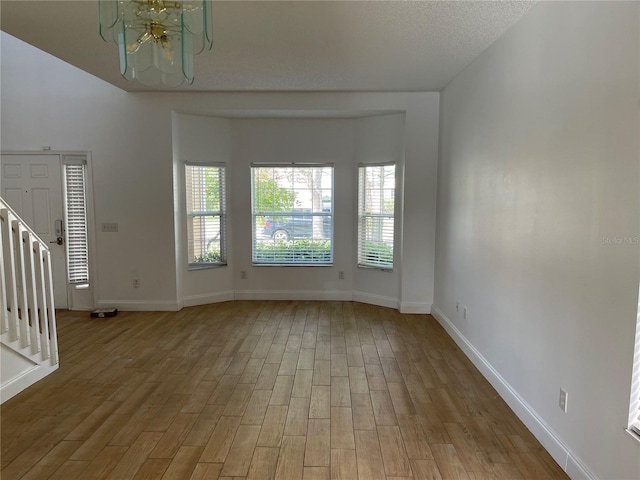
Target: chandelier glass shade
{"points": [[157, 39]]}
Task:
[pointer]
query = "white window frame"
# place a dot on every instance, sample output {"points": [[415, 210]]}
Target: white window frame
{"points": [[255, 213], [363, 217], [221, 214], [77, 232]]}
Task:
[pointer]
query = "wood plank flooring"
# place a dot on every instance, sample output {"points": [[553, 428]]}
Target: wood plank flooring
{"points": [[264, 390]]}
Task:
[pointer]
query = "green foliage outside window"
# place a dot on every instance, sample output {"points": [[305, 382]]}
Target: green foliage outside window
{"points": [[269, 196], [211, 189], [300, 251], [376, 253], [205, 214], [212, 256]]}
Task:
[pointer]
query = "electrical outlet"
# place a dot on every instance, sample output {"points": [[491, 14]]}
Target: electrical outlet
{"points": [[136, 283], [457, 306], [563, 402], [340, 275], [464, 312], [243, 274]]}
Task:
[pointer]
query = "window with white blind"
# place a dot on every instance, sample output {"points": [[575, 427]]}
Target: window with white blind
{"points": [[76, 216], [634, 410], [206, 215], [292, 214], [376, 203]]}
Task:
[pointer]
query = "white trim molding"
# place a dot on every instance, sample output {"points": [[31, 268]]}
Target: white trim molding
{"points": [[416, 308], [229, 295], [372, 299], [206, 298], [561, 453], [24, 380], [140, 305], [329, 295]]}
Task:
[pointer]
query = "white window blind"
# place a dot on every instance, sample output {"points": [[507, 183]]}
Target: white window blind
{"points": [[206, 215], [292, 214], [634, 411], [76, 215], [376, 203]]}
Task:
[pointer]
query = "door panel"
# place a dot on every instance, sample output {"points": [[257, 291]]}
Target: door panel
{"points": [[32, 186], [13, 196], [41, 203]]}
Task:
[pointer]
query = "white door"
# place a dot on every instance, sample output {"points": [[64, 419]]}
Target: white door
{"points": [[32, 186]]}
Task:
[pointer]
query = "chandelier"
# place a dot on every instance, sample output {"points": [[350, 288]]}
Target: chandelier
{"points": [[157, 39]]}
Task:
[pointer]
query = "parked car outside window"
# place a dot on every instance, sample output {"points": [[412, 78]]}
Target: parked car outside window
{"points": [[294, 227]]}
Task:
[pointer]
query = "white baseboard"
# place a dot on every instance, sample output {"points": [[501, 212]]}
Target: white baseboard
{"points": [[561, 453], [372, 299], [330, 295], [415, 308], [216, 297], [140, 306], [203, 299], [577, 470], [27, 378]]}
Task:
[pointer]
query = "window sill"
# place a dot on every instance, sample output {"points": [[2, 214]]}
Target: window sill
{"points": [[633, 435], [373, 267], [292, 264], [206, 266]]}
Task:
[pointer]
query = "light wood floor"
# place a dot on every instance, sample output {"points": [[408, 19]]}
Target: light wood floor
{"points": [[262, 390]]}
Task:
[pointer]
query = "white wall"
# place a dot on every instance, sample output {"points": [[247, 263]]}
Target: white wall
{"points": [[46, 102], [240, 141], [201, 139], [133, 146], [538, 168], [381, 139], [293, 140], [420, 143]]}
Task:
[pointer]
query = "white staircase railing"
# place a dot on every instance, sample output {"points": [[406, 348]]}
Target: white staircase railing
{"points": [[27, 309]]}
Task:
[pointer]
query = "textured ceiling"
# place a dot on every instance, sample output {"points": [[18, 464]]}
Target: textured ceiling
{"points": [[293, 46]]}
